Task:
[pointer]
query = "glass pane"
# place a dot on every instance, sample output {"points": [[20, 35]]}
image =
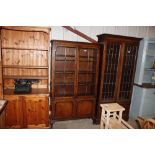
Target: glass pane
{"points": [[110, 73], [65, 66], [128, 71], [87, 72]]}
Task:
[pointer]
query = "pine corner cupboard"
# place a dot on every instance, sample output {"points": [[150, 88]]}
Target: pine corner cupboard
{"points": [[24, 55], [118, 58], [74, 79]]}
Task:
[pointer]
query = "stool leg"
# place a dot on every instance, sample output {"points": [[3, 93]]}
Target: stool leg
{"points": [[102, 119], [107, 120], [120, 116], [114, 115]]}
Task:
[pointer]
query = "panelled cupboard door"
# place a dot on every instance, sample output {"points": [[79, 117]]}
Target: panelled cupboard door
{"points": [[35, 111], [85, 108], [14, 115], [63, 109]]}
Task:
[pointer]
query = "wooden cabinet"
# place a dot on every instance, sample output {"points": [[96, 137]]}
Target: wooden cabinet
{"points": [[14, 112], [117, 70], [27, 111], [24, 55], [74, 79], [63, 109], [35, 111]]}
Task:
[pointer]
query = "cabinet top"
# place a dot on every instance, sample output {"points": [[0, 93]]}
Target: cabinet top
{"points": [[101, 37], [27, 28], [76, 43]]}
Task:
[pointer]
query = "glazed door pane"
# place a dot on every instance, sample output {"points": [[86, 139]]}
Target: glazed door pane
{"points": [[65, 66], [110, 72], [87, 71], [130, 56]]}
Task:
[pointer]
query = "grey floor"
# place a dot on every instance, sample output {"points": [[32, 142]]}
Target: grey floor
{"points": [[82, 124]]}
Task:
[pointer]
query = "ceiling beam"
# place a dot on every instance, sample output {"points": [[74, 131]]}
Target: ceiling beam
{"points": [[80, 34]]}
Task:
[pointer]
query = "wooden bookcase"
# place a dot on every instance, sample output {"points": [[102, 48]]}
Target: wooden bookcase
{"points": [[74, 79], [24, 52], [117, 70]]}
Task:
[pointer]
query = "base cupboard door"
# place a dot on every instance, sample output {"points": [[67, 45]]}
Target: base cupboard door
{"points": [[14, 115], [63, 109], [35, 112], [85, 108]]}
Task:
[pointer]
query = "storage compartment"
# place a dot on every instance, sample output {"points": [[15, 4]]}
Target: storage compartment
{"points": [[63, 109], [85, 108], [74, 76]]}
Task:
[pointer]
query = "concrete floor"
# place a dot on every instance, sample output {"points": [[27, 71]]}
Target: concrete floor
{"points": [[75, 124], [83, 124]]}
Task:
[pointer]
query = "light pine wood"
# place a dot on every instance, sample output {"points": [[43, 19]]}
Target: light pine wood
{"points": [[110, 119], [146, 123], [24, 40], [25, 53], [14, 116], [35, 111], [24, 111], [1, 83], [28, 28]]}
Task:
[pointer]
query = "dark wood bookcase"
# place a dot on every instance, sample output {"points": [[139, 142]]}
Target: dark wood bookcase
{"points": [[117, 70], [74, 79]]}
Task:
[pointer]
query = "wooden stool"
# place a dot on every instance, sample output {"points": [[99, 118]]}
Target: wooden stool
{"points": [[111, 117]]}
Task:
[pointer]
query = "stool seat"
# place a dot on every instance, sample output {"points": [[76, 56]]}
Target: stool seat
{"points": [[112, 107]]}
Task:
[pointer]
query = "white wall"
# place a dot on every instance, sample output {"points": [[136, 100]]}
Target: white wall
{"points": [[61, 33]]}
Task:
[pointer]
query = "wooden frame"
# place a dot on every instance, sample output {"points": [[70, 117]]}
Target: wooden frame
{"points": [[118, 54], [75, 105], [25, 53]]}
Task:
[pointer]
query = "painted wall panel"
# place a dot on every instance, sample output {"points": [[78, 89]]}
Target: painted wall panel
{"points": [[151, 32], [122, 30], [59, 32], [142, 31], [132, 31]]}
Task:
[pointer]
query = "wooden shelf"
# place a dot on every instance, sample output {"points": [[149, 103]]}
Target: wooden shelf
{"points": [[87, 57], [145, 85], [64, 83], [87, 60], [61, 55], [25, 77], [13, 48], [64, 72], [26, 67], [85, 83], [87, 72], [39, 91], [63, 60]]}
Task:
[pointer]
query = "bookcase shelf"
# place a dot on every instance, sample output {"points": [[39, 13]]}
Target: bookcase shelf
{"points": [[26, 67], [24, 77]]}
